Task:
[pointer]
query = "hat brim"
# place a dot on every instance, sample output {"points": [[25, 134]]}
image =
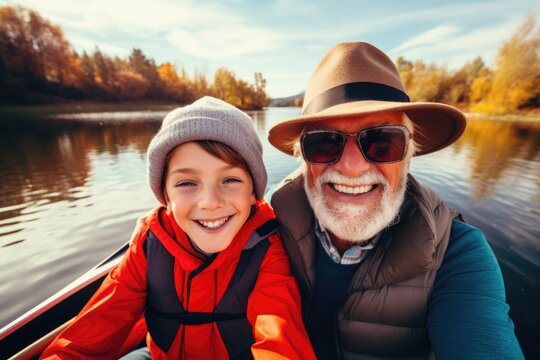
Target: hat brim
{"points": [[436, 125]]}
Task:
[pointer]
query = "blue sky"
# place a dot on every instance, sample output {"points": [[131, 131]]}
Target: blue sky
{"points": [[283, 39]]}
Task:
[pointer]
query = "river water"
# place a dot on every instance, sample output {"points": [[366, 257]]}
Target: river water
{"points": [[72, 187]]}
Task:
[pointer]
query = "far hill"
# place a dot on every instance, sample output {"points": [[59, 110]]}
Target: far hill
{"points": [[294, 100]]}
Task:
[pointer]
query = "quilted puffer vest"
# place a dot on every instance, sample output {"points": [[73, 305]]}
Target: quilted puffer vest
{"points": [[384, 314]]}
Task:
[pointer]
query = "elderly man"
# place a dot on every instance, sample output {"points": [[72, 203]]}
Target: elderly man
{"points": [[385, 268]]}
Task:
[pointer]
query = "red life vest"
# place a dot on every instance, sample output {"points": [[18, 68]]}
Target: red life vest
{"points": [[165, 314]]}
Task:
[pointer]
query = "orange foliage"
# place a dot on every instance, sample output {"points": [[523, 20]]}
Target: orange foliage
{"points": [[515, 81], [177, 86], [36, 58], [130, 85], [33, 49], [238, 92]]}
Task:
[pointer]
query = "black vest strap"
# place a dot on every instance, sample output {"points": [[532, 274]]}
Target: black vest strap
{"points": [[356, 91], [165, 314], [161, 293], [197, 318], [238, 335]]}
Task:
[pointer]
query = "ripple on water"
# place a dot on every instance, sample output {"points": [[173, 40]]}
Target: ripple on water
{"points": [[105, 117], [13, 242], [6, 232]]}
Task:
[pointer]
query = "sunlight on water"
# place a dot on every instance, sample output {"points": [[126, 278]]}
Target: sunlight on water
{"points": [[130, 116], [73, 186]]}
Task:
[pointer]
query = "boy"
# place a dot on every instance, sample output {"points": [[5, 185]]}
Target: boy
{"points": [[207, 270]]}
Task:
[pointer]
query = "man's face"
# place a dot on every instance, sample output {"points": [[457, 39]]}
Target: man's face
{"points": [[355, 199]]}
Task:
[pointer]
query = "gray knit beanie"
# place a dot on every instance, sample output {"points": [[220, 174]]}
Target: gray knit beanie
{"points": [[206, 119]]}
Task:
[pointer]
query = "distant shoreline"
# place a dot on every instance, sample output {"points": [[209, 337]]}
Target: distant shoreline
{"points": [[43, 111], [525, 116]]}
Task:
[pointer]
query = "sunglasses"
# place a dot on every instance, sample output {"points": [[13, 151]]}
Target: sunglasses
{"points": [[380, 144]]}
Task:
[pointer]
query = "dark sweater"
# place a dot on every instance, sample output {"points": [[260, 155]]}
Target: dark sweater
{"points": [[332, 282]]}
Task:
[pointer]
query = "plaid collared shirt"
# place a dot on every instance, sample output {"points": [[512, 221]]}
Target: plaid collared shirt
{"points": [[354, 255]]}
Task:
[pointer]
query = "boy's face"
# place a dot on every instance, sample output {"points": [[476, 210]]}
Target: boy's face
{"points": [[209, 198]]}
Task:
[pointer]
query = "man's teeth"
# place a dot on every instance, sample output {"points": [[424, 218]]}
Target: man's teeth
{"points": [[212, 225], [352, 189]]}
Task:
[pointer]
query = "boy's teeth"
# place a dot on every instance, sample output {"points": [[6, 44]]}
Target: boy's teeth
{"points": [[352, 189], [213, 224]]}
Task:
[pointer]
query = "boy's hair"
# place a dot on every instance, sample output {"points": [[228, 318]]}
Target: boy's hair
{"points": [[224, 152], [216, 149], [213, 120]]}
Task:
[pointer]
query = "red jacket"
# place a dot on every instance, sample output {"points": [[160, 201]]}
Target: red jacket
{"points": [[273, 307]]}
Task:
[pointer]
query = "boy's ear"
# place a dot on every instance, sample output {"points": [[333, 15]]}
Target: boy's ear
{"points": [[167, 201], [253, 198]]}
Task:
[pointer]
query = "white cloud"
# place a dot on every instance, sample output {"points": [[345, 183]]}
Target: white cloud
{"points": [[282, 84], [203, 30], [358, 21], [315, 47], [456, 49], [222, 42], [432, 36], [82, 44], [129, 16], [284, 90], [289, 75]]}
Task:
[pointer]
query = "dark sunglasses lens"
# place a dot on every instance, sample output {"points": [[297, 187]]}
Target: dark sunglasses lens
{"points": [[322, 147], [385, 144]]}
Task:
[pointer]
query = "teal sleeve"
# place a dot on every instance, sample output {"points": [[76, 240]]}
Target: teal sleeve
{"points": [[468, 315]]}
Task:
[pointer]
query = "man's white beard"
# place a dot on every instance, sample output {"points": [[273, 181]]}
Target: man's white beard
{"points": [[355, 222]]}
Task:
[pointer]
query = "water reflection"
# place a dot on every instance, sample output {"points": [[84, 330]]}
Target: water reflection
{"points": [[69, 196], [496, 149], [259, 119], [48, 161], [71, 189], [501, 195]]}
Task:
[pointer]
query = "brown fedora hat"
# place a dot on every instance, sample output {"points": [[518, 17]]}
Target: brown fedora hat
{"points": [[356, 78]]}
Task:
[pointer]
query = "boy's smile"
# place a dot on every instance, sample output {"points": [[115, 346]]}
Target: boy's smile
{"points": [[213, 224], [209, 198]]}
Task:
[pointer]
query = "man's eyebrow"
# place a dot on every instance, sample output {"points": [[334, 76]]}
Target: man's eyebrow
{"points": [[313, 127], [316, 127]]}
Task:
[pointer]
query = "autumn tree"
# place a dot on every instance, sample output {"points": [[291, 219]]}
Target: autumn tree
{"points": [[225, 87], [130, 85], [298, 102], [405, 69], [245, 93], [515, 81], [88, 75], [104, 73], [458, 85], [36, 58], [34, 53], [176, 86], [423, 82], [480, 89], [200, 86], [238, 92], [430, 82], [260, 99], [147, 68]]}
